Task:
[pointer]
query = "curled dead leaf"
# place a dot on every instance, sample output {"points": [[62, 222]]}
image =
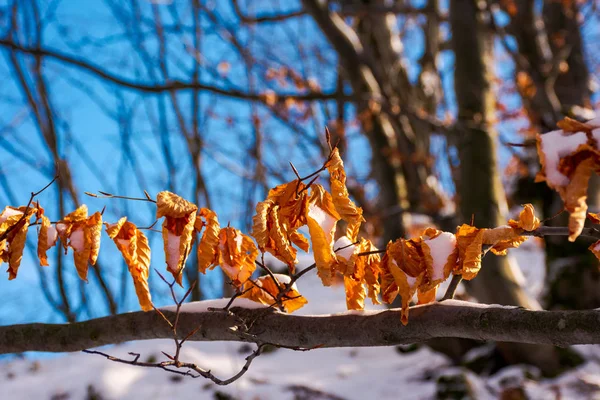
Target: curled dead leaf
{"points": [[355, 293], [527, 219], [47, 238], [502, 238], [370, 266], [265, 291], [85, 242], [207, 247], [14, 224], [594, 218], [237, 255], [469, 241], [405, 263], [275, 224], [321, 227], [177, 230], [348, 211], [133, 245], [569, 156]]}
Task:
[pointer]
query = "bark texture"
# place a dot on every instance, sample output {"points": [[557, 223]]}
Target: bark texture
{"points": [[451, 318]]}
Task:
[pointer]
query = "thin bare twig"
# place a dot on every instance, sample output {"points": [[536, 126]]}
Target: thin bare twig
{"points": [[4, 234], [104, 195], [456, 280]]}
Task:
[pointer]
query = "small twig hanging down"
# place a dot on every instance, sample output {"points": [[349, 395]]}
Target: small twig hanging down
{"points": [[172, 364]]}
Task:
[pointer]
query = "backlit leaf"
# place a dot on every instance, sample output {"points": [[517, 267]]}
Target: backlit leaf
{"points": [[133, 245], [469, 241], [177, 230], [264, 290], [237, 255], [207, 247], [47, 238]]}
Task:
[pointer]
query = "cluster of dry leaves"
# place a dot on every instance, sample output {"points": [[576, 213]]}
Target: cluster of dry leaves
{"points": [[406, 267], [569, 156]]}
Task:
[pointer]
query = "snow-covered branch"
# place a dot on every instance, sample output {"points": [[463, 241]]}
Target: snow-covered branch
{"points": [[449, 318]]}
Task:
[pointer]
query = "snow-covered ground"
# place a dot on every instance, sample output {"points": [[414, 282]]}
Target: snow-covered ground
{"points": [[324, 374]]}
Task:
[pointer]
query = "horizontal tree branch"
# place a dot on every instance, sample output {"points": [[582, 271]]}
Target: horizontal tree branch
{"points": [[450, 318], [171, 85], [258, 19], [593, 233]]}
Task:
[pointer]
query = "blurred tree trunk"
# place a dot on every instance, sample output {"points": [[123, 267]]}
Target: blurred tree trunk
{"points": [[370, 54], [573, 278], [481, 193], [551, 51]]}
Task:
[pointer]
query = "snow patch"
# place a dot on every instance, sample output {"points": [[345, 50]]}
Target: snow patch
{"points": [[204, 305], [555, 146], [52, 236], [346, 247], [124, 242], [9, 212], [120, 379], [323, 219], [596, 134], [61, 228], [440, 248], [76, 240], [173, 242]]}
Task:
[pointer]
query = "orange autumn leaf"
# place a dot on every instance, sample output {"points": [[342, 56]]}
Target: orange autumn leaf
{"points": [[93, 233], [275, 224], [595, 218], [264, 290], [85, 242], [348, 211], [426, 296], [355, 293], [527, 219], [237, 255], [595, 248], [388, 286], [177, 230], [14, 224], [300, 240], [369, 267], [469, 241], [133, 245], [569, 157], [501, 239], [47, 238], [405, 264], [260, 226], [575, 194], [322, 218], [207, 247], [65, 226], [9, 217], [292, 199], [281, 246], [573, 126]]}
